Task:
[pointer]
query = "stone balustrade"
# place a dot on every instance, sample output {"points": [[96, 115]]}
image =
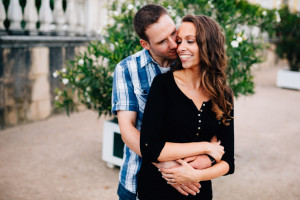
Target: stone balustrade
{"points": [[26, 82], [75, 20], [33, 45]]}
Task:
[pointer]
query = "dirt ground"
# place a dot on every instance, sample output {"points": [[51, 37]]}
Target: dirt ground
{"points": [[60, 158]]}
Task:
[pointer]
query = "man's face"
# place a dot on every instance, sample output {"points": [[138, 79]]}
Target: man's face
{"points": [[162, 39]]}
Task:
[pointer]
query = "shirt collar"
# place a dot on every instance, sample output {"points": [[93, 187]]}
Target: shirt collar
{"points": [[147, 59]]}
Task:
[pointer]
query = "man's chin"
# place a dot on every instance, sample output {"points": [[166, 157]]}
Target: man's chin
{"points": [[173, 56]]}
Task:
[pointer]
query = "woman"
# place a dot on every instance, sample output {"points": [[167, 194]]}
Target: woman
{"points": [[185, 109]]}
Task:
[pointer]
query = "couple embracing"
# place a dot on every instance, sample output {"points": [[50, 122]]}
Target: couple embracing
{"points": [[174, 109]]}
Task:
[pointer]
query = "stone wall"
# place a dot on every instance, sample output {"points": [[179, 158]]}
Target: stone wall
{"points": [[26, 67]]}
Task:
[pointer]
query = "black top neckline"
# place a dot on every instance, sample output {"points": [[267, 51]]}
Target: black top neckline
{"points": [[184, 95]]}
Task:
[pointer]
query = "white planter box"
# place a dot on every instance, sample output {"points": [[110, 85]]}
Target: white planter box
{"points": [[112, 144], [288, 79]]}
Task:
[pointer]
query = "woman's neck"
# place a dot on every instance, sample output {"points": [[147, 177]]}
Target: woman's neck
{"points": [[191, 77], [189, 82]]}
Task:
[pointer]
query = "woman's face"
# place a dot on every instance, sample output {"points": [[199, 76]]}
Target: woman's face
{"points": [[188, 50]]}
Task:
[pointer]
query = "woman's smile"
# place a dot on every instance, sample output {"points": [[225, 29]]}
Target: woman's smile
{"points": [[185, 57], [188, 49]]}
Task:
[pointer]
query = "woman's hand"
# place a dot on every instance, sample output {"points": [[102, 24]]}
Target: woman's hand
{"points": [[186, 189], [183, 174], [215, 150]]}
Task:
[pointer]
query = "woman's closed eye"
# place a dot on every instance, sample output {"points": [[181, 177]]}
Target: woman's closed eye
{"points": [[189, 41]]}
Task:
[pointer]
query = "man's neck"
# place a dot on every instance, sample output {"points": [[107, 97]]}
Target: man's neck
{"points": [[162, 62]]}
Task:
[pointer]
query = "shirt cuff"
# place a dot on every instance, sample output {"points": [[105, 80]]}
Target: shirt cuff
{"points": [[118, 107]]}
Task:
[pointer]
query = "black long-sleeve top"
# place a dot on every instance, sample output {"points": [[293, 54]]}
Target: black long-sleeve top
{"points": [[170, 116]]}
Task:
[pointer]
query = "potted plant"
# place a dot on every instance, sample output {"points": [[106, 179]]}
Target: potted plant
{"points": [[88, 79], [288, 47]]}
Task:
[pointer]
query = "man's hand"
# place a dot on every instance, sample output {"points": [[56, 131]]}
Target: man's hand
{"points": [[198, 162], [216, 150]]}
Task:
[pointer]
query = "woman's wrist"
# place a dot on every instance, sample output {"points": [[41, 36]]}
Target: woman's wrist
{"points": [[198, 175], [205, 146]]}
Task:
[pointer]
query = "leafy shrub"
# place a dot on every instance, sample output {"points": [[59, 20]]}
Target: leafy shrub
{"points": [[288, 37], [89, 76]]}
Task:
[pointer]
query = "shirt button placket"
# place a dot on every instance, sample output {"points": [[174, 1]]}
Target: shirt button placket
{"points": [[199, 123], [199, 120]]}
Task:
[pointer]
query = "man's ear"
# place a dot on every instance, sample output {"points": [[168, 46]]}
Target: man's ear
{"points": [[145, 44]]}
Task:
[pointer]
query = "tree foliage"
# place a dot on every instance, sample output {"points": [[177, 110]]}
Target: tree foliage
{"points": [[89, 76]]}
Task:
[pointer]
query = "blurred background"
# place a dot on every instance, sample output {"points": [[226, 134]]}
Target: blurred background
{"points": [[57, 59]]}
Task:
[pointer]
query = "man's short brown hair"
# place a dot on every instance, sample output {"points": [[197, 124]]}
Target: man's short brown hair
{"points": [[146, 16]]}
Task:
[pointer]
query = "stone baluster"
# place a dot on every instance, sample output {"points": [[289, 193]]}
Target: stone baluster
{"points": [[71, 17], [2, 18], [46, 18], [30, 17], [15, 16], [81, 17], [59, 17]]}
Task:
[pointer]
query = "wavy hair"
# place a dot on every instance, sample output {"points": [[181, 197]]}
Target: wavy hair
{"points": [[213, 62]]}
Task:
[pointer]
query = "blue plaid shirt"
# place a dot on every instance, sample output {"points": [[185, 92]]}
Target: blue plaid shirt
{"points": [[132, 80]]}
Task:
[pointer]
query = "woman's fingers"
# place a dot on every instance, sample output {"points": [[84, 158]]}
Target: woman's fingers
{"points": [[169, 178], [179, 189], [171, 181], [191, 190], [167, 171], [167, 175], [192, 187]]}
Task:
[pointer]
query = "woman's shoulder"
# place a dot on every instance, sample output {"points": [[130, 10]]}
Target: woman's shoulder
{"points": [[163, 78], [161, 81]]}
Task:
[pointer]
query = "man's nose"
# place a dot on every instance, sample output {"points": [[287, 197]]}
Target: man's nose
{"points": [[173, 44]]}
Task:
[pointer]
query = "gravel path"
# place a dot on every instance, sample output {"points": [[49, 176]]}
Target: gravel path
{"points": [[60, 158]]}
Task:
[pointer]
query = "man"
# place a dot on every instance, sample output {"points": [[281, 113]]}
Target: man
{"points": [[132, 80]]}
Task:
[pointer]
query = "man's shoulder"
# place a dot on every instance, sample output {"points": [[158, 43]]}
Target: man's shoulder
{"points": [[132, 60]]}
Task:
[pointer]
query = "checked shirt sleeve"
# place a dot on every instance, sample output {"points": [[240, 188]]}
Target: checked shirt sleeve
{"points": [[123, 96]]}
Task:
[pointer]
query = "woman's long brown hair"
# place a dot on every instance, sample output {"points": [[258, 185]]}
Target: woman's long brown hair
{"points": [[213, 62]]}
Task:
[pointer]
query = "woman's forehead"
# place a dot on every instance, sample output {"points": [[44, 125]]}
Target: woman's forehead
{"points": [[187, 29]]}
